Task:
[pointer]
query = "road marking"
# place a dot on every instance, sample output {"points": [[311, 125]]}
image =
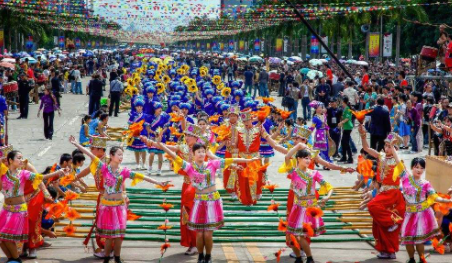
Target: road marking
{"points": [[255, 252], [229, 253], [41, 153], [73, 120]]}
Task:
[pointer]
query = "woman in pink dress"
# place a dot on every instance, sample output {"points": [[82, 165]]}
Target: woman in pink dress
{"points": [[14, 214], [303, 186], [419, 224], [207, 212], [112, 211]]}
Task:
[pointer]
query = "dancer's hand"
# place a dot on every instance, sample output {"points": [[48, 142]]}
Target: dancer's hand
{"points": [[323, 202], [143, 139], [350, 170], [52, 234], [164, 183], [72, 140], [361, 129], [254, 159]]}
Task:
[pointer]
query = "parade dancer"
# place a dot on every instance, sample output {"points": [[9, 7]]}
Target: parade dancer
{"points": [[321, 130], [419, 224], [112, 218], [14, 225], [137, 146], [388, 207], [184, 149], [98, 147], [303, 185], [207, 213], [159, 121]]}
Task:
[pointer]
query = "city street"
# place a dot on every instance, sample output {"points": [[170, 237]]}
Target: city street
{"points": [[27, 136]]}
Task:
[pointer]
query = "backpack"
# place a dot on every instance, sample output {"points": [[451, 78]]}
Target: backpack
{"points": [[71, 75]]}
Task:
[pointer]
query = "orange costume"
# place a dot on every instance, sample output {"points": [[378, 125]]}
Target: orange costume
{"points": [[35, 209], [230, 174], [188, 237], [388, 207], [248, 143]]}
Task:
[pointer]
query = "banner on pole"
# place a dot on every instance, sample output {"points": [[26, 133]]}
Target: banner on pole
{"points": [[286, 45], [221, 46], [2, 40], [55, 40], [374, 45], [325, 40], [241, 45], [314, 45], [198, 45], [208, 45], [61, 42], [77, 42], [279, 45], [257, 44], [387, 45], [263, 45], [231, 45]]}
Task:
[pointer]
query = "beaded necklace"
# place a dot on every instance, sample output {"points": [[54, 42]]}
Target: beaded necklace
{"points": [[117, 176]]}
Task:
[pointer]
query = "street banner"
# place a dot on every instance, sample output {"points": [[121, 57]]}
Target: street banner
{"points": [[88, 44], [241, 45], [55, 40], [374, 45], [325, 40], [263, 45], [221, 46], [279, 45], [387, 45], [208, 45], [2, 40], [198, 45], [314, 45], [77, 42], [61, 42], [231, 45], [257, 45], [286, 45]]}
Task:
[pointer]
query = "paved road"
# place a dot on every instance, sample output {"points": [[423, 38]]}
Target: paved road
{"points": [[27, 136]]}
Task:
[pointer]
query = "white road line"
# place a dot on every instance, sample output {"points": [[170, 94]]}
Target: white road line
{"points": [[73, 120], [41, 153]]}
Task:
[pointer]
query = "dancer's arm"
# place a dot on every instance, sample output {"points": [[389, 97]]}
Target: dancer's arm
{"points": [[273, 144], [292, 151], [166, 149], [81, 148], [333, 166], [436, 128], [394, 152], [362, 133], [58, 173]]}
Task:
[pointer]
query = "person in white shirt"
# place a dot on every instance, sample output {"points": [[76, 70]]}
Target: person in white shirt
{"points": [[351, 93]]}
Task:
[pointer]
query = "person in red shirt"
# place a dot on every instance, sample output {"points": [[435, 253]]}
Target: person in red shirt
{"points": [[365, 78], [403, 81]]}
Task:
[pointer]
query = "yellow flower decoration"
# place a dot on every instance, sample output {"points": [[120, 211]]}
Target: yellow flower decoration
{"points": [[136, 81], [130, 82], [166, 79], [190, 82], [225, 92], [221, 86], [160, 88], [203, 73], [128, 90], [192, 88], [216, 80], [204, 68], [157, 77], [151, 67], [170, 67], [180, 71], [184, 78], [185, 67], [135, 75]]}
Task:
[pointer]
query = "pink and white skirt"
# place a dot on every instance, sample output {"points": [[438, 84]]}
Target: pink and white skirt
{"points": [[14, 223], [298, 216], [207, 212], [112, 219], [419, 227]]}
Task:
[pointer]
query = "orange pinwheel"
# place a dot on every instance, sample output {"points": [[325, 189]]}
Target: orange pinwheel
{"points": [[364, 167], [360, 115], [282, 226], [136, 128], [273, 207], [176, 117], [164, 247], [66, 180], [214, 118], [285, 114], [438, 246], [132, 216], [271, 187], [72, 214], [55, 210], [314, 212], [294, 241], [262, 113], [222, 132], [267, 100], [166, 206], [164, 227], [307, 228], [164, 188], [278, 255], [175, 132], [444, 208], [69, 230], [70, 195]]}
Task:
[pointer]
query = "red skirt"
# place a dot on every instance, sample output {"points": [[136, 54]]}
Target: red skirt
{"points": [[35, 209], [387, 209], [188, 237]]}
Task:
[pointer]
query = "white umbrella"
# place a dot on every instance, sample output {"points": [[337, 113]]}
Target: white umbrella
{"points": [[315, 62], [9, 60], [295, 59], [361, 63]]}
